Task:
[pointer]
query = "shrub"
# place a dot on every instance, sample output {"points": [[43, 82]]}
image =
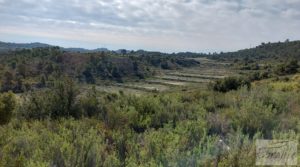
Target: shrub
{"points": [[59, 101], [7, 106], [55, 143], [36, 105], [241, 150], [290, 67], [90, 104], [7, 82], [229, 83], [256, 76], [255, 111]]}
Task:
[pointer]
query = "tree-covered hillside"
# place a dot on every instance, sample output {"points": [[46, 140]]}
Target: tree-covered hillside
{"points": [[32, 68], [279, 51]]}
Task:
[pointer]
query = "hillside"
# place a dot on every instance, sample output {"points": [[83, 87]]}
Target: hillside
{"points": [[38, 66], [265, 52], [5, 46]]}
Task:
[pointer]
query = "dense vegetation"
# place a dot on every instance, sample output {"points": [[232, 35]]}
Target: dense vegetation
{"points": [[279, 51], [58, 127], [50, 121], [27, 69]]}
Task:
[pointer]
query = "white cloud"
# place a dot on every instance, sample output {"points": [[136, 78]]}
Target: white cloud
{"points": [[168, 25]]}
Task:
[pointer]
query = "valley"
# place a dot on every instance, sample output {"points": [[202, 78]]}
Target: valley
{"points": [[66, 108]]}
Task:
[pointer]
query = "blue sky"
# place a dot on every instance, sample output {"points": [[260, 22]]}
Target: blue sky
{"points": [[161, 25]]}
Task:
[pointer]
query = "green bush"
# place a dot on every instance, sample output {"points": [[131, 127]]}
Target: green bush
{"points": [[55, 143], [229, 83], [7, 106], [290, 67], [90, 104], [36, 105], [60, 101]]}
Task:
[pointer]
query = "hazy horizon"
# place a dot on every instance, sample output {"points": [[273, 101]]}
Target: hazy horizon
{"points": [[115, 49], [159, 25]]}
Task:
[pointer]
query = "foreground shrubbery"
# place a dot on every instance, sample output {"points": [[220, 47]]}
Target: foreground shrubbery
{"points": [[60, 127]]}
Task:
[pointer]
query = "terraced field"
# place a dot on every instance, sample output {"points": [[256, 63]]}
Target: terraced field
{"points": [[198, 76], [144, 86], [202, 76], [115, 89], [168, 80]]}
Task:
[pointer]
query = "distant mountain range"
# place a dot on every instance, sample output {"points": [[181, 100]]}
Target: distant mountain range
{"points": [[7, 46], [13, 46], [82, 50]]}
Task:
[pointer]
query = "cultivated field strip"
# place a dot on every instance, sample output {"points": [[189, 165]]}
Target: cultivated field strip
{"points": [[183, 79], [201, 76], [166, 82], [218, 72], [117, 89], [144, 86]]}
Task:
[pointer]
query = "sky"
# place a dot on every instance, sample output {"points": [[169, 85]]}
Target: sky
{"points": [[157, 25]]}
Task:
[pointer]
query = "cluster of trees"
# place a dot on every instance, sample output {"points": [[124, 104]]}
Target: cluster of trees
{"points": [[164, 61], [24, 69], [115, 68]]}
